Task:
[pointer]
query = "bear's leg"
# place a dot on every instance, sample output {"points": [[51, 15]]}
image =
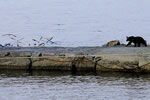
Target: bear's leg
{"points": [[138, 44], [134, 44], [145, 43], [129, 43]]}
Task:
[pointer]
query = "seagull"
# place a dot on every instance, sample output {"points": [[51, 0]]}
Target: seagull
{"points": [[9, 35]]}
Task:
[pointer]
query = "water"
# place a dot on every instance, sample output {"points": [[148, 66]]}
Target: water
{"points": [[45, 85], [74, 22]]}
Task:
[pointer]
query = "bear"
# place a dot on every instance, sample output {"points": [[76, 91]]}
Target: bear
{"points": [[136, 40], [113, 43]]}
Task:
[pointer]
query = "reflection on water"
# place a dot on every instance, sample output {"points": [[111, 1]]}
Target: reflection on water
{"points": [[45, 85]]}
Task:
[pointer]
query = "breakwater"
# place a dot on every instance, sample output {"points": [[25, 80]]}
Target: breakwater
{"points": [[76, 58]]}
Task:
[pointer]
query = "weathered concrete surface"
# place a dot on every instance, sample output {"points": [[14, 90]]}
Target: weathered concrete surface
{"points": [[77, 58], [14, 63]]}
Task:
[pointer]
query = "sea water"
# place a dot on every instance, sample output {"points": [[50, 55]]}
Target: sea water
{"points": [[47, 85], [73, 22]]}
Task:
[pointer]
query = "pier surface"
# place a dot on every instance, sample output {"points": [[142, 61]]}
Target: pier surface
{"points": [[130, 59]]}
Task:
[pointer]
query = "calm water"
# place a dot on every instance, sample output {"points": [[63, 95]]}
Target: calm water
{"points": [[74, 22], [44, 85]]}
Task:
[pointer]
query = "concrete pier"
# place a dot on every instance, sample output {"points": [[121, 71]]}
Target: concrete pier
{"points": [[128, 59]]}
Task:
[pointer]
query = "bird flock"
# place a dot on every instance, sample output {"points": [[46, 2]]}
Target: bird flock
{"points": [[17, 42]]}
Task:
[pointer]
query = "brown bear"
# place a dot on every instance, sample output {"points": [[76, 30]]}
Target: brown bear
{"points": [[136, 40]]}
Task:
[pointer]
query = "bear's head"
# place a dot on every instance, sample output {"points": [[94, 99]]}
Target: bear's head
{"points": [[130, 38]]}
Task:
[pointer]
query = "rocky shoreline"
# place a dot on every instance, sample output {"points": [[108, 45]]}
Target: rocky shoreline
{"points": [[122, 59]]}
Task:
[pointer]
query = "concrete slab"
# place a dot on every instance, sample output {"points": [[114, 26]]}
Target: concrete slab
{"points": [[134, 59]]}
